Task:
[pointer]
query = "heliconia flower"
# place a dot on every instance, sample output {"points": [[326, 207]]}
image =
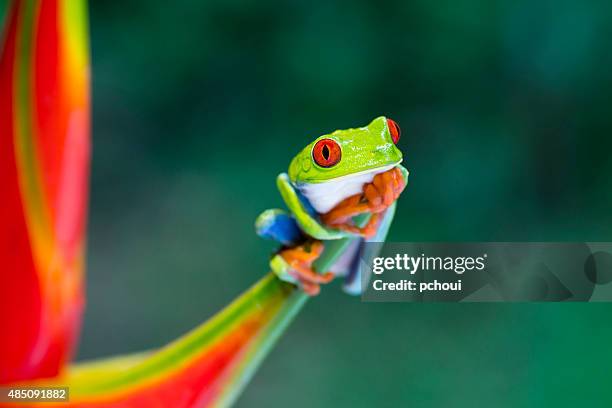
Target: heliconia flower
{"points": [[44, 162]]}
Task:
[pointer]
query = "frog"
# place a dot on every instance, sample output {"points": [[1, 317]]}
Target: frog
{"points": [[340, 192]]}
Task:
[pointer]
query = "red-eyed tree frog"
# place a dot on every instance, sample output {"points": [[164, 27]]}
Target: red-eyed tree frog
{"points": [[340, 191]]}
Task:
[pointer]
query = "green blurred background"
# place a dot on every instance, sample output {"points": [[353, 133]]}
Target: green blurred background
{"points": [[506, 115]]}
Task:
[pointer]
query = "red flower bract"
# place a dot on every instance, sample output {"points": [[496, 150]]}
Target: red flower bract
{"points": [[44, 160]]}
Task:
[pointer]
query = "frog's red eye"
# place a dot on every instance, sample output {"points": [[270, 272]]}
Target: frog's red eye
{"points": [[395, 130], [326, 153]]}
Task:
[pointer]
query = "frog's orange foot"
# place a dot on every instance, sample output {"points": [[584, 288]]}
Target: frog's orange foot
{"points": [[300, 259], [384, 190]]}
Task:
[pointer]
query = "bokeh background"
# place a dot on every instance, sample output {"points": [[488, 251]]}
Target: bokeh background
{"points": [[506, 114]]}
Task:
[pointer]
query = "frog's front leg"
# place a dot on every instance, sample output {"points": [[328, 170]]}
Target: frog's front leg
{"points": [[377, 196], [294, 265]]}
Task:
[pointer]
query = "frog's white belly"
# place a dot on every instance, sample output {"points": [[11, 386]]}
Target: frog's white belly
{"points": [[325, 196]]}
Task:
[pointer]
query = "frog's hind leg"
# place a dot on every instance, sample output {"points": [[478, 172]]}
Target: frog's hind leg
{"points": [[299, 260], [295, 265], [294, 262]]}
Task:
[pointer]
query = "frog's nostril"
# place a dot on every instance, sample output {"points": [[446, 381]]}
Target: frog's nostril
{"points": [[394, 129]]}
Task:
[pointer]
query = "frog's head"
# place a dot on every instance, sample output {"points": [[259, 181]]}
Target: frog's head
{"points": [[336, 166], [348, 152]]}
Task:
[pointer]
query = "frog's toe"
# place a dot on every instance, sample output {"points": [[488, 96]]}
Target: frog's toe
{"points": [[303, 272], [384, 190], [311, 289]]}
